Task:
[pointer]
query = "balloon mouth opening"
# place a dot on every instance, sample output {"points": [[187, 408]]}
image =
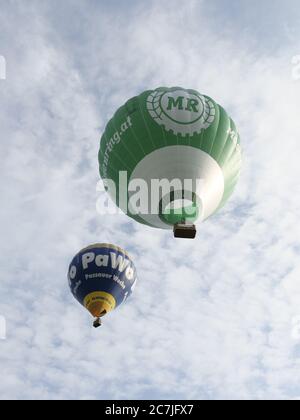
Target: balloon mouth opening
{"points": [[179, 207], [99, 303]]}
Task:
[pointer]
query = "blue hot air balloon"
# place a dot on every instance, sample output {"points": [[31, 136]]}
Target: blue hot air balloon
{"points": [[102, 277]]}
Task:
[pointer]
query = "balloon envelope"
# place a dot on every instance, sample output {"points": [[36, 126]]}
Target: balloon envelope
{"points": [[101, 277], [171, 134]]}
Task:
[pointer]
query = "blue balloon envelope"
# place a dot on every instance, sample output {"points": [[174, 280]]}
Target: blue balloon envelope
{"points": [[101, 277]]}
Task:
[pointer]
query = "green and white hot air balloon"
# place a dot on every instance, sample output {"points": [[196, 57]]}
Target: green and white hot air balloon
{"points": [[174, 157]]}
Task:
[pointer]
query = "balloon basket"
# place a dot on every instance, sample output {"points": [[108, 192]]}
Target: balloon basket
{"points": [[185, 231], [97, 323]]}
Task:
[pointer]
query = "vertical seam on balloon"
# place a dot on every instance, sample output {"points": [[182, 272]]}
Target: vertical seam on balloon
{"points": [[233, 165], [233, 182], [124, 144], [201, 139], [105, 145], [110, 166], [225, 144], [218, 133], [234, 152], [231, 177], [116, 154], [118, 157], [203, 131], [139, 143], [145, 122], [234, 155], [137, 140], [164, 136]]}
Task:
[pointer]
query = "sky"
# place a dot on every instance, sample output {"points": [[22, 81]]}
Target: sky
{"points": [[217, 318]]}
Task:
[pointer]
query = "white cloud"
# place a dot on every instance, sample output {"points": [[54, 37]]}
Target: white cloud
{"points": [[209, 319]]}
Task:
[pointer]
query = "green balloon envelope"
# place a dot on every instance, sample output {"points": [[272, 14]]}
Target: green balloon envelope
{"points": [[176, 135]]}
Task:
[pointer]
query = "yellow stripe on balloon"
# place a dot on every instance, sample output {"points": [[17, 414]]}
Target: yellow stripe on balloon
{"points": [[99, 303]]}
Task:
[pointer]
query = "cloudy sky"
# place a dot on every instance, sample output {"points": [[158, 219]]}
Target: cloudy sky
{"points": [[217, 318]]}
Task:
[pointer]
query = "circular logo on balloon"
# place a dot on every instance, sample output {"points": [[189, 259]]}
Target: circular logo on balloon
{"points": [[181, 111]]}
